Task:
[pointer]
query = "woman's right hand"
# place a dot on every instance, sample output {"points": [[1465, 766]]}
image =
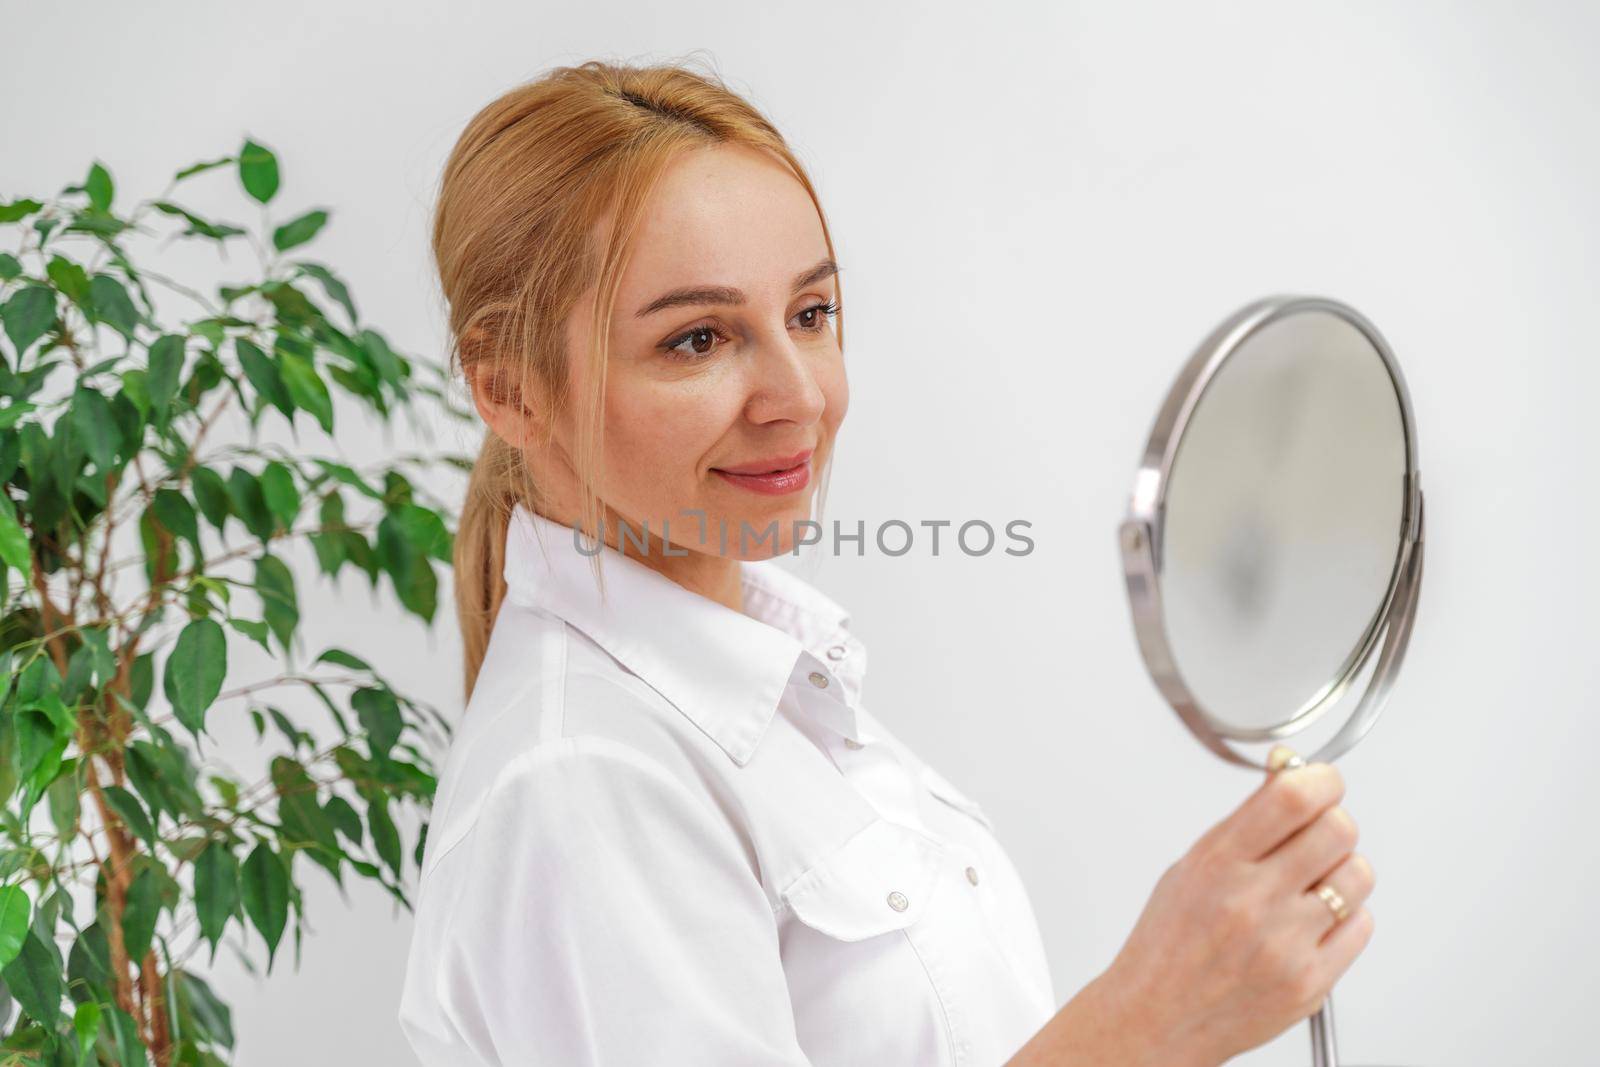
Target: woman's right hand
{"points": [[1234, 945]]}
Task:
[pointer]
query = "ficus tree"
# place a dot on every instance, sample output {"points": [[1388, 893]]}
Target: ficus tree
{"points": [[147, 522]]}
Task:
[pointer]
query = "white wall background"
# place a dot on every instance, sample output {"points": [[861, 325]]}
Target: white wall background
{"points": [[1040, 208]]}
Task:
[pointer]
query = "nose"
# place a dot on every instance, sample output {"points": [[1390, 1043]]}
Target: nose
{"points": [[783, 385]]}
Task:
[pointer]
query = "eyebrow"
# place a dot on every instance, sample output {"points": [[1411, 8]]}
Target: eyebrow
{"points": [[724, 294]]}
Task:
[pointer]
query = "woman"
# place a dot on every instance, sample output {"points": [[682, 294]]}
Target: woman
{"points": [[668, 830]]}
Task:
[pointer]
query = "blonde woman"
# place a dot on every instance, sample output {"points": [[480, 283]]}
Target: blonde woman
{"points": [[669, 831]]}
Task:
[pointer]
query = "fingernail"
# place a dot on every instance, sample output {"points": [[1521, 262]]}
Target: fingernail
{"points": [[1282, 756]]}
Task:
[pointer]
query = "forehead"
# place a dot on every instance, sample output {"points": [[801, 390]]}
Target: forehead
{"points": [[724, 215]]}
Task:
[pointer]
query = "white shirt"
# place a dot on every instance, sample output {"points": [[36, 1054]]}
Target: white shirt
{"points": [[670, 833]]}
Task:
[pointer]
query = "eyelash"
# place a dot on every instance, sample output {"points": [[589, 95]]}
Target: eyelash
{"points": [[828, 308]]}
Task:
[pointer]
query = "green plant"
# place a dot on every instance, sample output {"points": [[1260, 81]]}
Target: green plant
{"points": [[126, 847]]}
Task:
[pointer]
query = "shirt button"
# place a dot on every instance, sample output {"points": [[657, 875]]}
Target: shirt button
{"points": [[819, 679], [972, 875], [851, 742], [836, 652], [898, 901]]}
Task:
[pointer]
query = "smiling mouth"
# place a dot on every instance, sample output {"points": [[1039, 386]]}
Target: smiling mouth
{"points": [[772, 477]]}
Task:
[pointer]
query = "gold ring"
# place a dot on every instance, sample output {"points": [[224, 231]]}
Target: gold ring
{"points": [[1336, 903]]}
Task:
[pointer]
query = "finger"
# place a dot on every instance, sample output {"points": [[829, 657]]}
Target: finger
{"points": [[1353, 881], [1343, 944], [1281, 757], [1313, 850], [1284, 804]]}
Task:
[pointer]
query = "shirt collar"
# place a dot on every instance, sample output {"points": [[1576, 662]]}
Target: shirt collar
{"points": [[725, 670]]}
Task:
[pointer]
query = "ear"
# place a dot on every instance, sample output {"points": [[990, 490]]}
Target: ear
{"points": [[507, 395]]}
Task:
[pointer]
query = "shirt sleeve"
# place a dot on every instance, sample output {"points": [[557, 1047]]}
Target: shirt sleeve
{"points": [[601, 913]]}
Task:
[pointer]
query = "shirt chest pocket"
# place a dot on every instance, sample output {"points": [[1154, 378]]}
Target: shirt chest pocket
{"points": [[883, 878]]}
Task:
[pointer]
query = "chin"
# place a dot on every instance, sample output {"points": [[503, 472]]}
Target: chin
{"points": [[786, 520]]}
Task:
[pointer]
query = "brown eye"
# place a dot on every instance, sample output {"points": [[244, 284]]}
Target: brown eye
{"points": [[818, 314], [702, 340], [693, 344]]}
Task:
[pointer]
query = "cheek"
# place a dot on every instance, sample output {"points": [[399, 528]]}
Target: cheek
{"points": [[660, 434], [836, 393]]}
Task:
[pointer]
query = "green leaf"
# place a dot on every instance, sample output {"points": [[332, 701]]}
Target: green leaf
{"points": [[111, 304], [34, 979], [18, 209], [390, 367], [348, 475], [407, 564], [86, 1025], [255, 630], [207, 1015], [99, 187], [64, 794], [91, 417], [14, 539], [227, 789], [292, 733], [298, 231], [385, 838], [263, 374], [15, 913], [211, 494], [244, 489], [281, 494], [216, 890], [333, 287], [198, 168], [426, 530], [344, 659], [29, 313], [304, 823], [89, 962], [11, 414], [174, 512], [131, 812], [35, 733], [344, 818], [142, 680], [166, 365], [280, 607], [195, 671], [125, 1035], [164, 777], [379, 713], [198, 227], [70, 278], [265, 889], [258, 171], [307, 388], [143, 909]]}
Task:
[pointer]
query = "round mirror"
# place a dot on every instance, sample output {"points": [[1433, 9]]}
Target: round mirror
{"points": [[1273, 539], [1273, 544], [1283, 520]]}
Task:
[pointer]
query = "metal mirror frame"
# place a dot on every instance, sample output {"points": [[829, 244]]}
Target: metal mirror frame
{"points": [[1141, 534]]}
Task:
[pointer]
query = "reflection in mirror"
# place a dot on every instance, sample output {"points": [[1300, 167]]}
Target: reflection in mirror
{"points": [[1283, 520]]}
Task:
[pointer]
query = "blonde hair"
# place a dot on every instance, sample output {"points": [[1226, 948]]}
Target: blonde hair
{"points": [[525, 185]]}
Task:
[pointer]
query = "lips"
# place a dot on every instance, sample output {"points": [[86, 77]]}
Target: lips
{"points": [[770, 477], [768, 466]]}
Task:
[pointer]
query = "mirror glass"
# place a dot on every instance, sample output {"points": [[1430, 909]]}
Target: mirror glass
{"points": [[1283, 520]]}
